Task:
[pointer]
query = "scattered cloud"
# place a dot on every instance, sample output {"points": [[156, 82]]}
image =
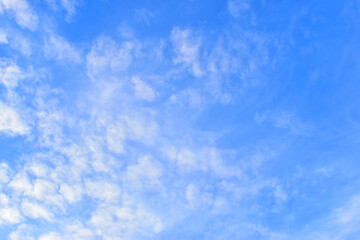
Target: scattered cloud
{"points": [[22, 12], [58, 48], [50, 236], [143, 90], [107, 55], [187, 47], [103, 190], [22, 232], [138, 151], [349, 213], [8, 214], [144, 175], [10, 122], [34, 210], [4, 169], [10, 73], [68, 5], [3, 38], [198, 199], [71, 193], [283, 120]]}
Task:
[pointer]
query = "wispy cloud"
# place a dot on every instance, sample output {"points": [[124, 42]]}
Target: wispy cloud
{"points": [[143, 90], [22, 12], [155, 126], [186, 47], [35, 210], [68, 5], [10, 122], [58, 48], [283, 120]]}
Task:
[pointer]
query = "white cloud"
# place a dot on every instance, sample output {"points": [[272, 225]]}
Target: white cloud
{"points": [[144, 175], [280, 197], [58, 48], [75, 147], [4, 200], [51, 236], [342, 223], [20, 43], [3, 38], [143, 90], [101, 161], [206, 159], [113, 222], [196, 198], [45, 191], [284, 120], [4, 168], [103, 190], [39, 170], [125, 31], [10, 122], [10, 74], [140, 129], [350, 212], [75, 230], [264, 232], [16, 40], [10, 215], [23, 232], [24, 15], [115, 137], [189, 97], [186, 47], [72, 193], [187, 159], [135, 127], [35, 210], [68, 5], [51, 120], [107, 55], [20, 183]]}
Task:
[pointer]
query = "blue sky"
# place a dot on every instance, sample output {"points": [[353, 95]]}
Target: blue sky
{"points": [[191, 119]]}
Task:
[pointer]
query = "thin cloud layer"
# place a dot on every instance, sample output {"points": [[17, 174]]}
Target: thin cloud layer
{"points": [[150, 123]]}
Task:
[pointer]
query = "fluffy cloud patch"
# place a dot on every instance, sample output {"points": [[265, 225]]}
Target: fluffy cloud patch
{"points": [[10, 74], [108, 55], [144, 175], [143, 90], [22, 12], [10, 122], [9, 214], [58, 48], [3, 38], [187, 49], [103, 190], [34, 210]]}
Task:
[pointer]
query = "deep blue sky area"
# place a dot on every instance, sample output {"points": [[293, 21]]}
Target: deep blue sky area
{"points": [[232, 119]]}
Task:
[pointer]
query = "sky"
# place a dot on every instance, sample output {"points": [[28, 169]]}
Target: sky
{"points": [[191, 119]]}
